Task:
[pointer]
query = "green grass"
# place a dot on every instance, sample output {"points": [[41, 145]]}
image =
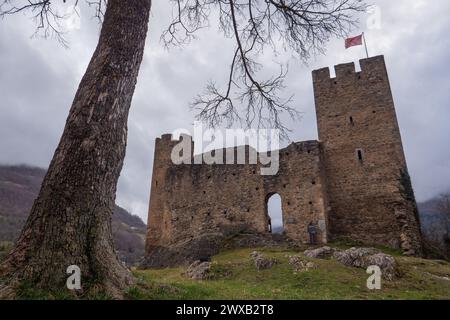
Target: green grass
{"points": [[28, 291], [235, 277]]}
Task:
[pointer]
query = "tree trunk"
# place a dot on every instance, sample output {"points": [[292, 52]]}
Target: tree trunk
{"points": [[70, 222]]}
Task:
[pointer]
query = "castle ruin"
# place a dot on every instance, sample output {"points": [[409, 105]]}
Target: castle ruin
{"points": [[353, 183]]}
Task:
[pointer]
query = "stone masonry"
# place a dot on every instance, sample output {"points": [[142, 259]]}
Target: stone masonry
{"points": [[353, 183]]}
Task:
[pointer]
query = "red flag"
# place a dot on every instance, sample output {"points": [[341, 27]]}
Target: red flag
{"points": [[355, 41]]}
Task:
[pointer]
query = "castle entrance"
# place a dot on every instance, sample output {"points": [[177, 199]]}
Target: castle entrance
{"points": [[275, 214]]}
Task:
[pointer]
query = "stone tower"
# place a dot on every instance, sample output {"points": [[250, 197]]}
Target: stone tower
{"points": [[369, 189], [158, 229]]}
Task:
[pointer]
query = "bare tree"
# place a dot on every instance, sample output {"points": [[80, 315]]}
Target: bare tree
{"points": [[302, 27], [70, 222]]}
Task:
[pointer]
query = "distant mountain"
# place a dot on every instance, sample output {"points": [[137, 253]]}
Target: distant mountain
{"points": [[20, 185], [435, 224]]}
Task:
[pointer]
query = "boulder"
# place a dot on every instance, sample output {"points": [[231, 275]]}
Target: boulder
{"points": [[301, 265], [320, 253], [199, 270], [365, 257], [262, 262]]}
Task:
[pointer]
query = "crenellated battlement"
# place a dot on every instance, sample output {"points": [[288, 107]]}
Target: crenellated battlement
{"points": [[345, 70], [168, 137], [167, 142], [348, 70]]}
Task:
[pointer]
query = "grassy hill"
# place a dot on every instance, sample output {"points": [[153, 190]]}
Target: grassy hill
{"points": [[234, 276], [20, 185]]}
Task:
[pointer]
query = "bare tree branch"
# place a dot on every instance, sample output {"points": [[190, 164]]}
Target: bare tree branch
{"points": [[48, 19], [301, 26]]}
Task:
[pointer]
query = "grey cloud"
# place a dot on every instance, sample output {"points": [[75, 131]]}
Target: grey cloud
{"points": [[38, 79]]}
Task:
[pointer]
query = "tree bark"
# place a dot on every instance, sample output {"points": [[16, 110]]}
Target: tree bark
{"points": [[70, 221]]}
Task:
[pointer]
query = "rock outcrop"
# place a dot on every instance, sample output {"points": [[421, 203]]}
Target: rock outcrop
{"points": [[262, 262], [359, 258], [365, 257], [301, 265], [320, 253], [199, 270]]}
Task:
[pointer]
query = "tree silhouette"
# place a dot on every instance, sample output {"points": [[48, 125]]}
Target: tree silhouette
{"points": [[70, 222], [303, 27]]}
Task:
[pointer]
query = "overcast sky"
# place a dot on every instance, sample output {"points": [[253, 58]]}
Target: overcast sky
{"points": [[38, 79]]}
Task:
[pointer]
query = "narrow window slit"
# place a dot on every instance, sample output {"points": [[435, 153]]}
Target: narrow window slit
{"points": [[360, 155]]}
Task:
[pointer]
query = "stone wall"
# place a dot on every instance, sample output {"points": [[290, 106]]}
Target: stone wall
{"points": [[368, 185], [195, 206]]}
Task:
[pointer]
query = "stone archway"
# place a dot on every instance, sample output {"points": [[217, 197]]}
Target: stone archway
{"points": [[274, 213]]}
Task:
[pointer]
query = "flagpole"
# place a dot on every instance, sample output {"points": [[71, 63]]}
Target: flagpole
{"points": [[365, 44]]}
